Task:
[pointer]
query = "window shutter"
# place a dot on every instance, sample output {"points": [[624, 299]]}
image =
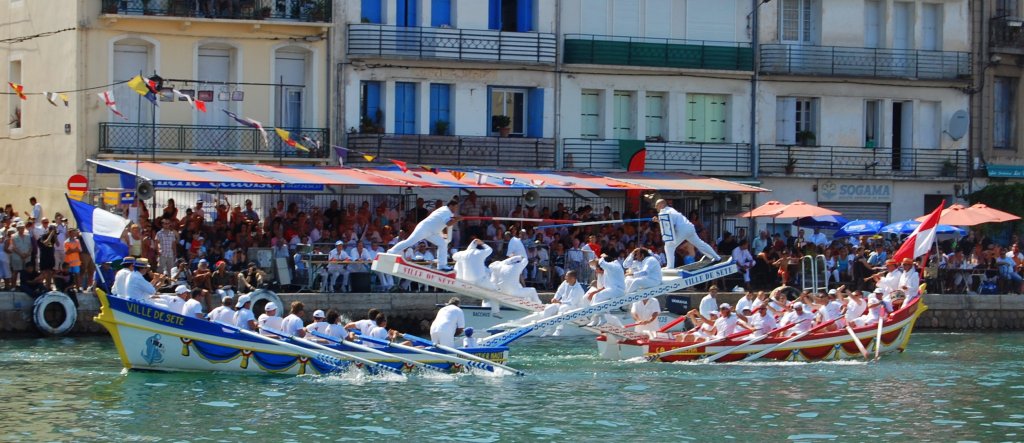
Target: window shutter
{"points": [[535, 113]]}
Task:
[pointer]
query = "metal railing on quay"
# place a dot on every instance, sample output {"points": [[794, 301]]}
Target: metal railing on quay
{"points": [[202, 140], [293, 10], [861, 161], [1006, 32], [864, 62], [603, 154], [450, 43], [443, 150], [658, 52]]}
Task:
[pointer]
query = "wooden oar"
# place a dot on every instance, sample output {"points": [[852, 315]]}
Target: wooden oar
{"points": [[878, 340], [789, 340], [328, 359], [467, 355], [376, 351], [747, 343], [367, 362], [488, 366], [863, 350], [697, 345]]}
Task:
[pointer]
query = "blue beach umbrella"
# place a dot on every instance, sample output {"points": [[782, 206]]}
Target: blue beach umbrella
{"points": [[821, 222], [908, 226], [858, 228]]}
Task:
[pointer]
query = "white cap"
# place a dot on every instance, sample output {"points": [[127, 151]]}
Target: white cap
{"points": [[242, 301], [269, 307], [713, 314], [878, 290], [831, 292], [339, 243], [181, 289], [319, 313], [798, 305], [725, 306]]}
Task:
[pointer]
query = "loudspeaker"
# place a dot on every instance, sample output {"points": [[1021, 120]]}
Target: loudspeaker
{"points": [[531, 198], [144, 190]]}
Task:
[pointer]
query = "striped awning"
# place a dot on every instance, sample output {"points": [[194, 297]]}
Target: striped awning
{"points": [[257, 177]]}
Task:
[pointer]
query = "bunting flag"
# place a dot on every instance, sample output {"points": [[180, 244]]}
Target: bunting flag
{"points": [[537, 182], [457, 174], [286, 137], [52, 97], [508, 181], [429, 169], [368, 157], [18, 89], [143, 88], [311, 142], [108, 99], [250, 123], [196, 104], [400, 164], [481, 179]]}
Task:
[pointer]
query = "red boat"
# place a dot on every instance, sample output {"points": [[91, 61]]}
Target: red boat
{"points": [[815, 346]]}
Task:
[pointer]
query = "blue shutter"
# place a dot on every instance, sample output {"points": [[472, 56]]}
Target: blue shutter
{"points": [[371, 10], [440, 13], [373, 102], [405, 108], [406, 13], [524, 16], [494, 15], [535, 113], [440, 105]]}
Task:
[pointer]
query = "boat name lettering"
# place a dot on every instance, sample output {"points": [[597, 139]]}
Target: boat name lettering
{"points": [[156, 314]]}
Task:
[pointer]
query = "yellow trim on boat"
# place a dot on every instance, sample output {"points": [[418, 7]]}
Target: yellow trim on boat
{"points": [[106, 319]]}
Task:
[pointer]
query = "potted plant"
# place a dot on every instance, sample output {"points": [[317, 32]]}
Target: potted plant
{"points": [[366, 125], [806, 138], [791, 165], [502, 123], [948, 168], [441, 127]]}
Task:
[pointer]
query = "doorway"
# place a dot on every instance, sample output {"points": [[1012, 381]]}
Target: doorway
{"points": [[902, 136]]}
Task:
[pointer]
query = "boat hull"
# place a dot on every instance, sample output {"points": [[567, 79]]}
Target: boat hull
{"points": [[482, 319], [832, 345], [151, 338]]}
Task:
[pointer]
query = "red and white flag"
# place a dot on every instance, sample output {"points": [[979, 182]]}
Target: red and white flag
{"points": [[108, 99], [922, 239]]}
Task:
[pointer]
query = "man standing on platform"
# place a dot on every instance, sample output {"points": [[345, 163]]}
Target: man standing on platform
{"points": [[675, 228], [432, 229]]}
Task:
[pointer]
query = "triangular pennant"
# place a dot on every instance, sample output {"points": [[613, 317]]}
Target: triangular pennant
{"points": [[368, 157], [458, 174], [200, 105], [481, 179], [51, 97], [64, 98], [143, 88], [287, 138], [400, 164], [18, 89], [108, 99], [537, 182], [508, 181], [250, 123]]}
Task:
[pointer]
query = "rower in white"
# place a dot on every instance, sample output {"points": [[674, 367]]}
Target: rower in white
{"points": [[569, 296], [269, 320], [803, 320], [450, 322], [243, 317], [432, 229], [675, 229], [855, 307], [614, 287], [910, 282], [319, 324], [293, 324], [223, 313], [761, 321], [192, 307], [364, 325]]}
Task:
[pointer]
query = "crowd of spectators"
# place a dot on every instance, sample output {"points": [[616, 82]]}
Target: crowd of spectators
{"points": [[206, 244]]}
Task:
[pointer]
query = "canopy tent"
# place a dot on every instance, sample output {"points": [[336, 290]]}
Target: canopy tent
{"points": [[266, 177]]}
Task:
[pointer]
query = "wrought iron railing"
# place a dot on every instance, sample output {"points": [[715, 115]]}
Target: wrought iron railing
{"points": [[450, 43], [1007, 32], [442, 150], [297, 10], [657, 52], [864, 62], [200, 140], [603, 154], [860, 161]]}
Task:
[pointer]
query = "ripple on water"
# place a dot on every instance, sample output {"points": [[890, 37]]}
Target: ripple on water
{"points": [[220, 404], [545, 431], [1011, 424], [807, 415], [272, 393], [812, 437]]}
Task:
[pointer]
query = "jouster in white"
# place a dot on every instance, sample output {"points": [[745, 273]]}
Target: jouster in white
{"points": [[675, 229], [647, 273], [471, 266], [569, 296], [508, 279], [432, 229]]}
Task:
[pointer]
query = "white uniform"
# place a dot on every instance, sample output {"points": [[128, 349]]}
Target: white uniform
{"points": [[708, 304], [271, 322], [242, 318], [138, 288], [471, 266], [803, 321], [320, 327], [508, 279], [515, 248], [871, 315], [430, 230], [614, 281], [644, 310], [365, 325], [569, 297], [744, 260], [744, 303], [912, 281], [854, 310], [336, 269], [648, 275], [365, 255], [291, 324], [120, 286], [676, 228], [448, 320], [763, 324], [378, 333], [725, 326], [222, 314], [890, 282], [192, 308], [335, 331]]}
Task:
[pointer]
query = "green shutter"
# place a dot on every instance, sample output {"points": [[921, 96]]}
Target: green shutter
{"points": [[695, 117]]}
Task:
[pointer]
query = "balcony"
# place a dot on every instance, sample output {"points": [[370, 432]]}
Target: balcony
{"points": [[129, 139], [1007, 32], [856, 161], [366, 39], [864, 62], [441, 150], [658, 52], [706, 158], [316, 11]]}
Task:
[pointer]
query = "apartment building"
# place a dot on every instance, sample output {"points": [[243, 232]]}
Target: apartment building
{"points": [[997, 96], [260, 59]]}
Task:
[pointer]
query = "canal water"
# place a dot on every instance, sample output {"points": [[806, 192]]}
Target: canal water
{"points": [[946, 387]]}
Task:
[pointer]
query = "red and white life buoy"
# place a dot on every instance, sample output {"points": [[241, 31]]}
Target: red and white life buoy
{"points": [[54, 313]]}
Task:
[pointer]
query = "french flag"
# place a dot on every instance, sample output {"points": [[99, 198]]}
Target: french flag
{"points": [[921, 240], [101, 231]]}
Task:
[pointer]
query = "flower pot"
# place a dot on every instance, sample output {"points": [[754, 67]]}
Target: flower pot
{"points": [[504, 132]]}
